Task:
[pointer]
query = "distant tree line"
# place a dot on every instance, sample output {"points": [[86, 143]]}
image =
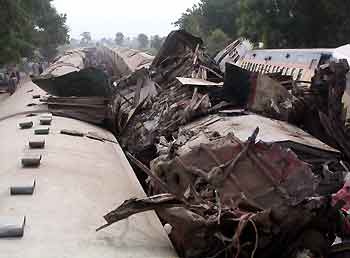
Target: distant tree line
{"points": [[143, 41], [29, 25], [276, 23]]}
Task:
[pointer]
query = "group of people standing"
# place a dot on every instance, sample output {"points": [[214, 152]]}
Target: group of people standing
{"points": [[37, 68], [12, 77]]}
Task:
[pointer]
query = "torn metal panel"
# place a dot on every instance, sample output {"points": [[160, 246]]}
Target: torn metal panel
{"points": [[76, 74], [71, 61], [263, 94], [271, 130], [269, 97], [182, 55], [171, 105], [235, 193], [297, 63], [198, 82], [81, 92], [301, 106], [134, 206], [244, 185], [237, 85], [175, 45], [323, 159], [88, 82], [125, 61], [233, 52], [89, 109], [133, 59], [279, 182], [135, 87], [130, 95], [262, 201]]}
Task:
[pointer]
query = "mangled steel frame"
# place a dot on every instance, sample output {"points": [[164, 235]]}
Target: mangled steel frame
{"points": [[78, 88], [297, 63], [236, 198], [165, 102], [229, 168], [225, 188], [80, 82]]}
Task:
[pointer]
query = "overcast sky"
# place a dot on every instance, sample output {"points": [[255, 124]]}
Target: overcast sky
{"points": [[103, 18]]}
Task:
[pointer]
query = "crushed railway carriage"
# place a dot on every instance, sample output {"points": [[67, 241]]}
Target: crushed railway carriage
{"points": [[299, 63], [77, 180]]}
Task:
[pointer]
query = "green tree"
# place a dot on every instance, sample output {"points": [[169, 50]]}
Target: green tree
{"points": [[220, 14], [29, 25], [277, 23], [295, 24], [216, 41], [50, 33], [14, 34], [143, 40], [192, 21], [119, 39], [209, 15]]}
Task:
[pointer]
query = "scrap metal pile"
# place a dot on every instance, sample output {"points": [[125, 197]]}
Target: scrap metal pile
{"points": [[235, 163]]}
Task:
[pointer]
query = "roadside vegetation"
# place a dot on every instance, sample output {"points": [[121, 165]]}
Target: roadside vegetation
{"points": [[29, 28], [276, 23]]}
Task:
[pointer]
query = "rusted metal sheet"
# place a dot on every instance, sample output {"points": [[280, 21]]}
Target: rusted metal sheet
{"points": [[71, 61], [134, 59], [125, 61], [162, 87], [89, 82], [70, 75], [228, 182], [298, 63], [75, 82], [89, 109], [269, 96], [215, 190], [271, 131], [283, 178], [176, 44]]}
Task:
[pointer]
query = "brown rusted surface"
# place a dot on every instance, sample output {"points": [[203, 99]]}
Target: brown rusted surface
{"points": [[282, 177], [239, 159], [238, 191]]}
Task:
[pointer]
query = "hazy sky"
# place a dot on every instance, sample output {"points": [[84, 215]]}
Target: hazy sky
{"points": [[103, 18]]}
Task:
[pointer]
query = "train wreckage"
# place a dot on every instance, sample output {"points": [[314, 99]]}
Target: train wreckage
{"points": [[239, 156]]}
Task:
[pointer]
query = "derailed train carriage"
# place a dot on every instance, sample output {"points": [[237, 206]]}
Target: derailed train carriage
{"points": [[215, 217], [200, 136], [60, 175]]}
